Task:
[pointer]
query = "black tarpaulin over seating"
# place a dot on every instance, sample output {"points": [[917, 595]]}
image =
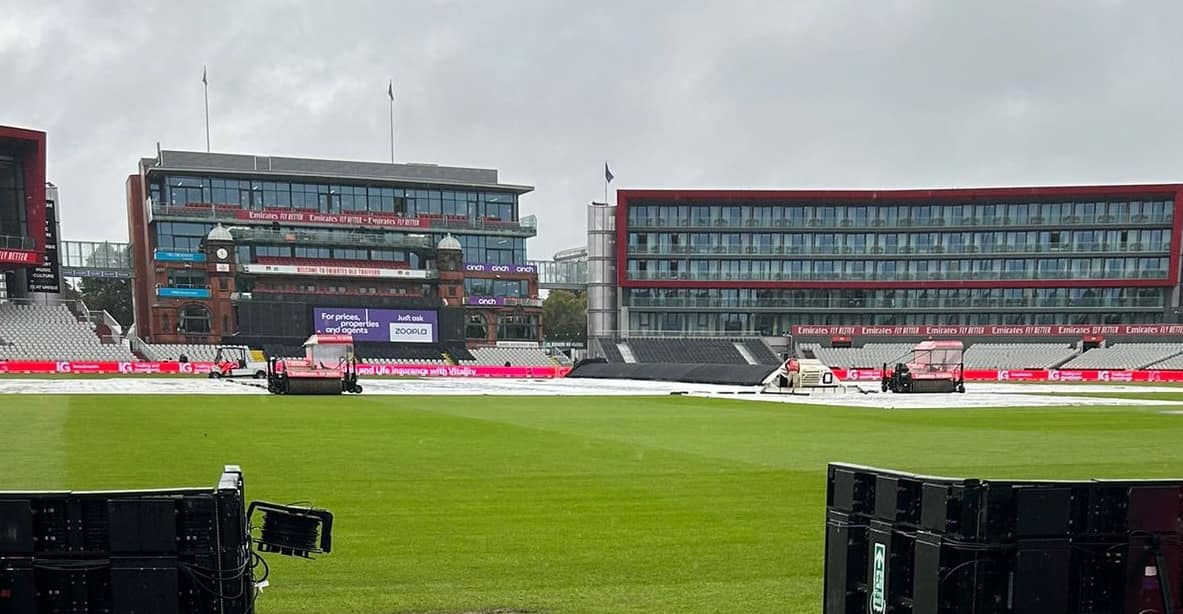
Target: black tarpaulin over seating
{"points": [[733, 375]]}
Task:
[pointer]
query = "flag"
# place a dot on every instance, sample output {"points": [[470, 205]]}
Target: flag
{"points": [[204, 81], [390, 91], [608, 176]]}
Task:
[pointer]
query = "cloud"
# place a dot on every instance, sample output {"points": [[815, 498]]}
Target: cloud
{"points": [[712, 94]]}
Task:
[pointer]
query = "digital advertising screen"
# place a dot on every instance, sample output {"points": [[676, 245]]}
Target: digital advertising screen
{"points": [[377, 325]]}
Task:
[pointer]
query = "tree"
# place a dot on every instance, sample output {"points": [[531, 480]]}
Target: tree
{"points": [[564, 316], [111, 295], [109, 255], [69, 292]]}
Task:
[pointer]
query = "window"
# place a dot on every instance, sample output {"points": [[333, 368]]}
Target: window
{"points": [[186, 278], [276, 195], [519, 327], [476, 327], [194, 320], [313, 252], [180, 236], [273, 251], [186, 190], [306, 196], [382, 200], [350, 254], [496, 287], [12, 198], [351, 198], [230, 192]]}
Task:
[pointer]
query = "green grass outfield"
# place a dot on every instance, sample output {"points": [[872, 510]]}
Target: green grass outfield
{"points": [[563, 505]]}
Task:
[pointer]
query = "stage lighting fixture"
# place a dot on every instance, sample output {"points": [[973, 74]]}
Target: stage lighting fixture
{"points": [[292, 531]]}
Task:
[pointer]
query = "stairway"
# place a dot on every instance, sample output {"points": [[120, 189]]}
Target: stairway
{"points": [[747, 355], [626, 352]]}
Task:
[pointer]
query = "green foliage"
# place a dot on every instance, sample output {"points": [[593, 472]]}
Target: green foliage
{"points": [[113, 295], [564, 316], [558, 505]]}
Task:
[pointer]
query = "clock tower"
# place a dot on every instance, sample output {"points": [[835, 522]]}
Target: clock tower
{"points": [[220, 271]]}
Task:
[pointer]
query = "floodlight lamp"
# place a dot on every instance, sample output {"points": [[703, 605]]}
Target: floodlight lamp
{"points": [[292, 530]]}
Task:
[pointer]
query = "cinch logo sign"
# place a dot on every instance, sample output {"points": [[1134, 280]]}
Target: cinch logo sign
{"points": [[878, 581]]}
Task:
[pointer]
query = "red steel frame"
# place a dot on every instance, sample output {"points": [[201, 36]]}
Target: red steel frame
{"points": [[902, 197], [32, 142]]}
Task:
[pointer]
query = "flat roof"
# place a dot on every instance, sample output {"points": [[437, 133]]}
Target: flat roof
{"points": [[906, 194], [21, 134], [329, 170]]}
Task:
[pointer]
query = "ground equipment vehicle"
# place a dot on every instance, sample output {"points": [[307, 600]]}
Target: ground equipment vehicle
{"points": [[797, 374], [329, 366], [236, 361], [931, 366]]}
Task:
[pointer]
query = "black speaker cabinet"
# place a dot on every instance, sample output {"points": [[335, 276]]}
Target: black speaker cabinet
{"points": [[900, 543], [126, 552]]}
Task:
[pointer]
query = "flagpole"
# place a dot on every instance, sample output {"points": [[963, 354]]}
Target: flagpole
{"points": [[390, 92], [205, 86], [608, 177]]}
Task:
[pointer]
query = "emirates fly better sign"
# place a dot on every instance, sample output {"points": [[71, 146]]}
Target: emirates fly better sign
{"points": [[377, 325]]}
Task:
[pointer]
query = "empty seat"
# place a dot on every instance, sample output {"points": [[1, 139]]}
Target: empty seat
{"points": [[610, 351], [195, 352], [517, 357], [1125, 356], [868, 356], [1017, 355], [686, 351], [408, 353], [52, 332], [1175, 362], [760, 351]]}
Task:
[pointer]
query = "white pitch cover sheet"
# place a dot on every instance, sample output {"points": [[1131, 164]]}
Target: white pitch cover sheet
{"points": [[978, 395]]}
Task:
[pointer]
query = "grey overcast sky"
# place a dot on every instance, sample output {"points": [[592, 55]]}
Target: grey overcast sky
{"points": [[673, 94]]}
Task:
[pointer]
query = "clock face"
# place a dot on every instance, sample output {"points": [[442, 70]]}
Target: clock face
{"points": [[222, 253]]}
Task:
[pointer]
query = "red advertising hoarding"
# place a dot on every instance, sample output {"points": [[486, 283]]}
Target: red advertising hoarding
{"points": [[19, 256], [46, 367], [350, 219], [546, 372], [1033, 375], [989, 331]]}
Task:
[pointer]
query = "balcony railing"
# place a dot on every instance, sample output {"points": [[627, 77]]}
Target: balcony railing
{"points": [[572, 273], [248, 234], [897, 304], [526, 226], [514, 301], [97, 255], [1058, 275], [935, 251], [907, 223], [14, 242]]}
